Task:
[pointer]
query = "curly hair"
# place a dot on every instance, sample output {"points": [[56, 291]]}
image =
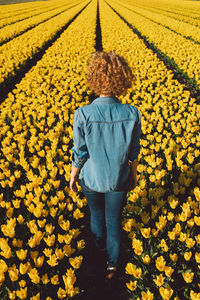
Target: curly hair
{"points": [[108, 74]]}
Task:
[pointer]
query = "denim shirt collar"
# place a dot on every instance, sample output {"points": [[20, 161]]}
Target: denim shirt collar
{"points": [[106, 100]]}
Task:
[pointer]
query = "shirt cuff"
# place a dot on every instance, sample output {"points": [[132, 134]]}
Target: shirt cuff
{"points": [[77, 165], [133, 159]]}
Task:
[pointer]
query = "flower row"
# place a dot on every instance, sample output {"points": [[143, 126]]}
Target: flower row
{"points": [[181, 51], [18, 8], [173, 15], [162, 213], [184, 29], [17, 52], [11, 31], [20, 16], [41, 224], [182, 11]]}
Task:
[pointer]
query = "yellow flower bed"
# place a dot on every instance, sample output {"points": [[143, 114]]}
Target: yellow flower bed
{"points": [[162, 213], [15, 53], [179, 10], [19, 15], [13, 30], [185, 53], [19, 8], [41, 241], [184, 29]]}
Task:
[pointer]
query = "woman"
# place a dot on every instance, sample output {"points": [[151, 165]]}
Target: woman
{"points": [[106, 136]]}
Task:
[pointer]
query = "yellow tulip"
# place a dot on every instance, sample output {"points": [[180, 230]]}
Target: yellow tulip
{"points": [[77, 214], [22, 293], [55, 280], [13, 273], [146, 259], [22, 283], [22, 254], [34, 276], [130, 268], [45, 279], [160, 263], [159, 280], [168, 271], [76, 262], [132, 285], [188, 277], [166, 293], [145, 232], [2, 277]]}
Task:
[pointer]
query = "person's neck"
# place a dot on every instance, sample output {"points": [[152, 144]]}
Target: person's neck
{"points": [[105, 96]]}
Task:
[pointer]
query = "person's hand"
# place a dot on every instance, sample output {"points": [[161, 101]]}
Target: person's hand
{"points": [[73, 181], [133, 182]]}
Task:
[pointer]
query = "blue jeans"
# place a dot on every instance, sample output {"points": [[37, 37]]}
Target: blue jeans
{"points": [[106, 212]]}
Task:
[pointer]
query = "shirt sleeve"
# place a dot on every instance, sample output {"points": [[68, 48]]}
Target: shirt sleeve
{"points": [[80, 151], [135, 143]]}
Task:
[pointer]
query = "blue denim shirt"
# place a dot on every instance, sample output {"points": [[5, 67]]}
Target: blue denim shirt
{"points": [[106, 136]]}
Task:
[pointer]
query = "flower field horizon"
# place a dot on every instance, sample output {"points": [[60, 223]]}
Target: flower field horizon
{"points": [[44, 235]]}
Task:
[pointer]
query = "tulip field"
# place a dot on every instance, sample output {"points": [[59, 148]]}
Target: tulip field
{"points": [[44, 48]]}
